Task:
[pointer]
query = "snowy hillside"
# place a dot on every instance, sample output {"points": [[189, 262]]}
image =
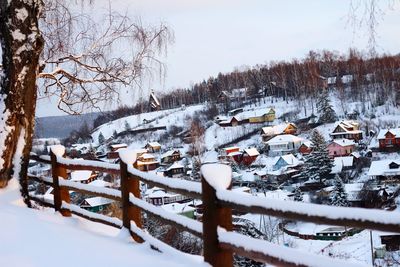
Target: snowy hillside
{"points": [[42, 238], [375, 118], [167, 118]]}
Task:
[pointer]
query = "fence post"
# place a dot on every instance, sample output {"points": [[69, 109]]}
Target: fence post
{"points": [[57, 171], [130, 184], [214, 215]]}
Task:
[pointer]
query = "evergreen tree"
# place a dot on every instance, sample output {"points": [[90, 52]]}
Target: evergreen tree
{"points": [[127, 126], [326, 112], [297, 194], [317, 165], [115, 134], [248, 228], [101, 139], [339, 195]]}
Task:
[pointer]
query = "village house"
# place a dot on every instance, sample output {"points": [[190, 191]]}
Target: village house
{"points": [[305, 148], [283, 144], [158, 197], [389, 139], [249, 156], [341, 164], [341, 147], [235, 95], [83, 176], [230, 122], [284, 174], [146, 162], [348, 130], [171, 156], [154, 103], [220, 118], [245, 157], [286, 161], [256, 116], [260, 175], [153, 147], [113, 153], [387, 170], [95, 204], [176, 169], [271, 131], [79, 150], [344, 79]]}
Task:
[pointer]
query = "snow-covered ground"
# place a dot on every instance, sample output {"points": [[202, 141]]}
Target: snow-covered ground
{"points": [[43, 238], [176, 117]]}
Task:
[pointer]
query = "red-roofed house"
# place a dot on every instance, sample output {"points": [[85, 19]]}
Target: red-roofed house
{"points": [[389, 139]]}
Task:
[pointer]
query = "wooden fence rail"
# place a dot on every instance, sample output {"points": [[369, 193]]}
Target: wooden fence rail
{"points": [[219, 242]]}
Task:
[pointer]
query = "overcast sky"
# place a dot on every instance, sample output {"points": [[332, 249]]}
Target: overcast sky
{"points": [[213, 36]]}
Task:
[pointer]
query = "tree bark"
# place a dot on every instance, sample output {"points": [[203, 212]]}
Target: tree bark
{"points": [[22, 45]]}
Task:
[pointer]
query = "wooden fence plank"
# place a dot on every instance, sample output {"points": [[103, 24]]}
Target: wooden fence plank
{"points": [[315, 219], [60, 194], [214, 216], [130, 212]]}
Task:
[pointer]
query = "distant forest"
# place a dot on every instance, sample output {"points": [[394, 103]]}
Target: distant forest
{"points": [[355, 76]]}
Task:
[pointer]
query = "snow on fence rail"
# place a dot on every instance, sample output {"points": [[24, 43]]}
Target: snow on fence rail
{"points": [[218, 201]]}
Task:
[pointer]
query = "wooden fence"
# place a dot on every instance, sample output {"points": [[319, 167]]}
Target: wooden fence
{"points": [[219, 241]]}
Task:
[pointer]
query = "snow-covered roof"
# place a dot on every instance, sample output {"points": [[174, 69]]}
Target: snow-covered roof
{"points": [[252, 152], [253, 113], [115, 146], [381, 168], [100, 183], [284, 139], [169, 153], [235, 153], [348, 126], [260, 172], [178, 207], [290, 159], [242, 189], [395, 132], [340, 162], [97, 201], [307, 143], [175, 165], [80, 175], [276, 129], [221, 118], [146, 156], [344, 142], [153, 144]]}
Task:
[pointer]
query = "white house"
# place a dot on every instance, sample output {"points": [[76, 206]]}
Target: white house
{"points": [[283, 144], [387, 169], [342, 163]]}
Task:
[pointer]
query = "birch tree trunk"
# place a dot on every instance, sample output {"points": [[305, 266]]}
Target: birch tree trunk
{"points": [[21, 44]]}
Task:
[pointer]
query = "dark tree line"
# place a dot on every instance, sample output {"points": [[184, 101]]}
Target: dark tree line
{"points": [[356, 76]]}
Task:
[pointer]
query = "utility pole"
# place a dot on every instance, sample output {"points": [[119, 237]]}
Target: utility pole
{"points": [[372, 248]]}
